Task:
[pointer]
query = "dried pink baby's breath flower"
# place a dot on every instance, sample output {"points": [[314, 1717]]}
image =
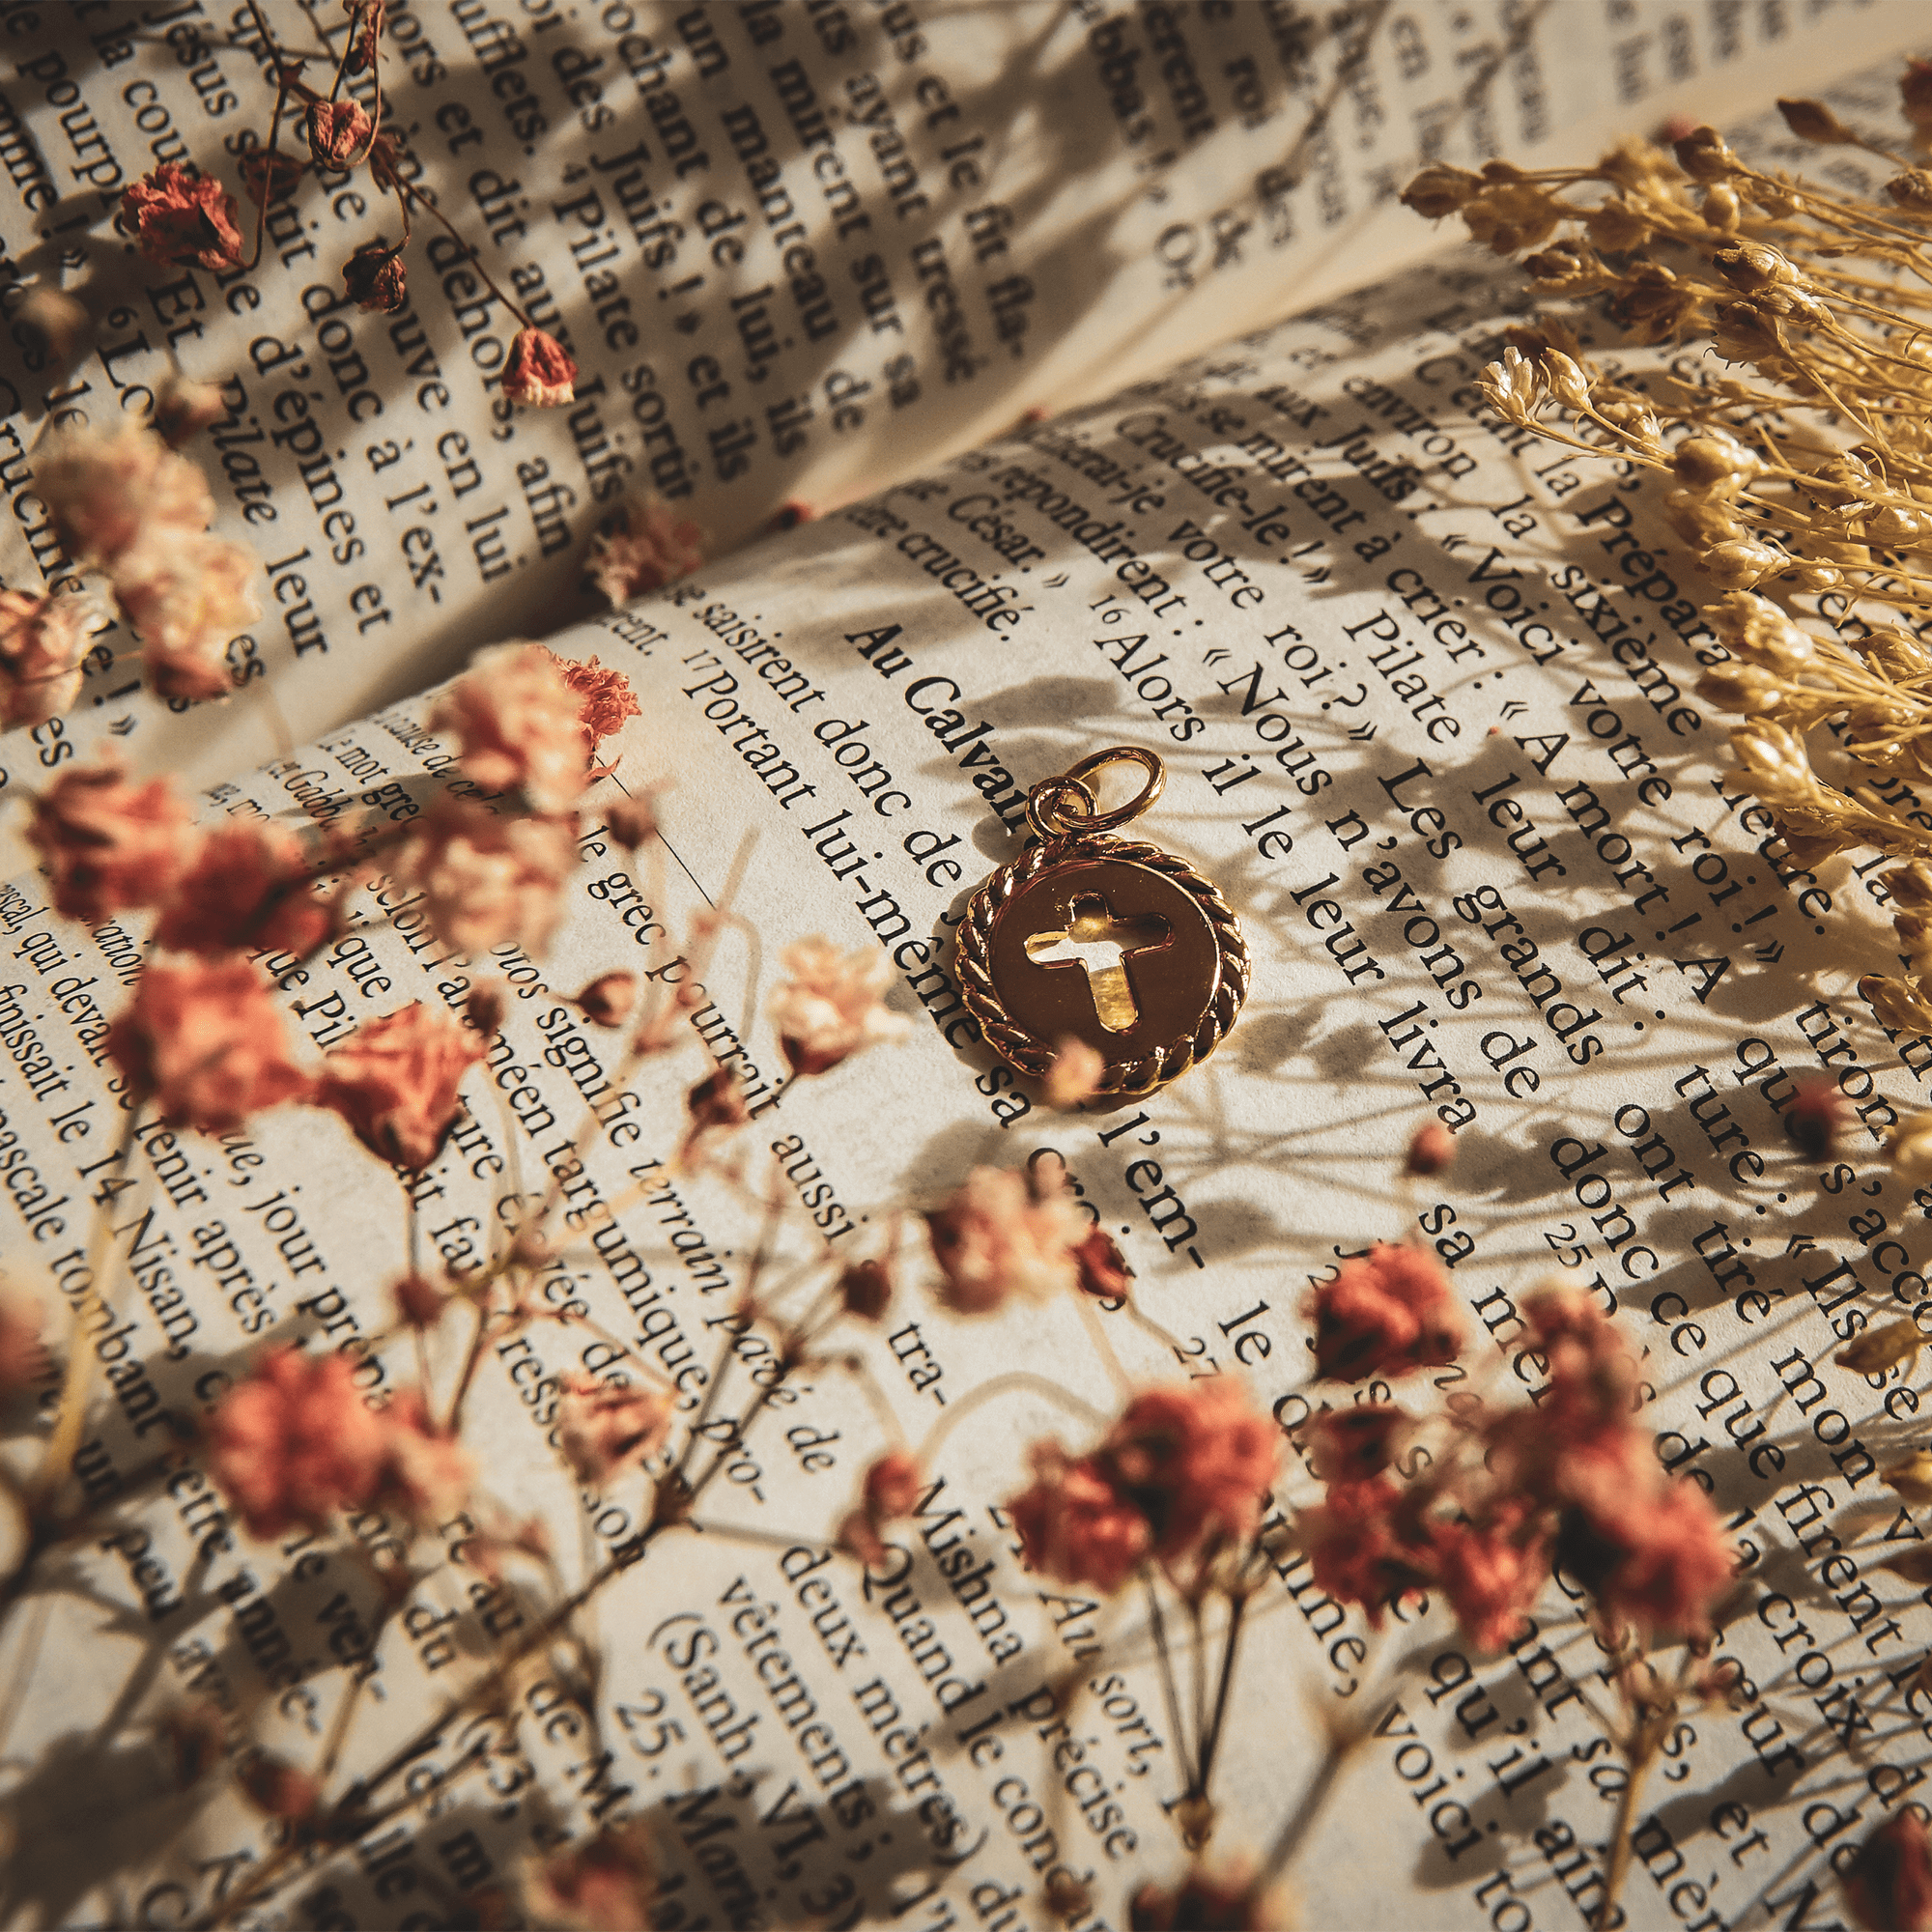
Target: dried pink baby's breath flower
{"points": [[996, 1237], [604, 1883], [395, 1080], [109, 842], [188, 596], [185, 408], [419, 1302], [1385, 1314], [484, 1008], [1658, 1561], [631, 821], [1889, 1887], [376, 279], [1074, 1075], [894, 1486], [1430, 1152], [830, 1008], [278, 1788], [42, 642], [865, 1290], [643, 547], [518, 725], [293, 1442], [338, 133], [248, 890], [106, 491], [1815, 1116], [268, 175], [50, 320], [540, 371], [204, 1039], [1076, 1525], [23, 1354], [488, 881], [1492, 1572], [607, 1000], [1365, 1544], [1196, 1460], [605, 1428], [1350, 1445], [1102, 1268], [181, 220], [604, 697]]}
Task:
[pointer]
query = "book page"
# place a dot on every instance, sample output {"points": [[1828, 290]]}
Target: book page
{"points": [[1425, 693], [796, 252]]}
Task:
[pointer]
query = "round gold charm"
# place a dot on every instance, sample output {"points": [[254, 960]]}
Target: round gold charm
{"points": [[1109, 940]]}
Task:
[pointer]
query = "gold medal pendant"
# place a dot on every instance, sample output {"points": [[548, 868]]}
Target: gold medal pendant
{"points": [[1109, 940]]}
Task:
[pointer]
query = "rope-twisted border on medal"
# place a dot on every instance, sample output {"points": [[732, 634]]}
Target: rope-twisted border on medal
{"points": [[973, 959]]}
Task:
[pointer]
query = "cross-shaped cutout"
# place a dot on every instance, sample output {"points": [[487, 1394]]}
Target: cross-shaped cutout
{"points": [[1093, 938]]}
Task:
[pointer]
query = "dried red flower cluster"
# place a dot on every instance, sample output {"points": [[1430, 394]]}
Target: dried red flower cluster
{"points": [[1569, 1482], [1179, 1478]]}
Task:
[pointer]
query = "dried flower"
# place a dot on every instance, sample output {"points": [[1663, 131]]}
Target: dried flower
{"points": [[830, 1008], [338, 133], [995, 1238], [1103, 1270], [1074, 1525], [1386, 1314], [607, 1000], [1879, 1350], [376, 279], [484, 1005], [1367, 1545], [894, 1486], [1350, 1445], [865, 1290], [1813, 121], [715, 1104], [642, 547], [51, 321], [395, 1080], [1492, 1572], [518, 725], [1431, 1150], [183, 409], [604, 1883], [269, 176], [204, 1039], [108, 843], [247, 889], [1196, 1460], [540, 371], [181, 220], [291, 1442], [188, 597], [107, 491], [23, 1354], [42, 639], [1074, 1075], [488, 881], [419, 1302], [1441, 189], [605, 1427], [1889, 1887], [1660, 1563], [604, 697], [1908, 1147]]}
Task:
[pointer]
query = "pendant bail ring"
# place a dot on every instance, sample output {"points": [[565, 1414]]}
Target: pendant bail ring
{"points": [[1046, 810]]}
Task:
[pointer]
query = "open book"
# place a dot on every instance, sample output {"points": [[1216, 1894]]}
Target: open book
{"points": [[1425, 698]]}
